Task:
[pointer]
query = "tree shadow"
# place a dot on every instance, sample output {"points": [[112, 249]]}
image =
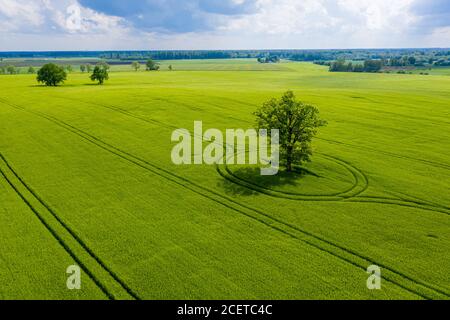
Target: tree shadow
{"points": [[253, 175], [58, 86]]}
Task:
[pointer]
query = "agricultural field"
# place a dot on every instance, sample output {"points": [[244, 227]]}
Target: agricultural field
{"points": [[86, 178]]}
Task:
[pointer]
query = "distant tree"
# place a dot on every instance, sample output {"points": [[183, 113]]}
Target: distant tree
{"points": [[136, 65], [274, 59], [298, 124], [269, 59], [350, 67], [88, 68], [358, 68], [151, 65], [373, 65], [339, 66], [11, 70], [412, 60], [100, 74], [69, 68], [170, 68], [31, 70], [83, 68], [51, 75], [2, 70]]}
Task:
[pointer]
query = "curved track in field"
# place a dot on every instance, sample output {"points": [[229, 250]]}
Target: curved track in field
{"points": [[408, 283], [352, 195], [360, 184]]}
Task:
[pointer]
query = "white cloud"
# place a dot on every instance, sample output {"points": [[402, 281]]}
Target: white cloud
{"points": [[62, 16], [56, 24], [19, 14]]}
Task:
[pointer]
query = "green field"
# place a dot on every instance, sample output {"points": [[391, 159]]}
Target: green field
{"points": [[86, 178]]}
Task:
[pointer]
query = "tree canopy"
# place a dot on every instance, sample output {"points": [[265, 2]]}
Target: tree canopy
{"points": [[100, 73], [297, 123], [152, 65], [136, 65], [51, 75]]}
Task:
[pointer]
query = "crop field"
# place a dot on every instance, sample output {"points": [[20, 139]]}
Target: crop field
{"points": [[86, 178]]}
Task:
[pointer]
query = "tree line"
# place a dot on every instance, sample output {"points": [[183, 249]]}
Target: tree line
{"points": [[269, 59], [368, 66]]}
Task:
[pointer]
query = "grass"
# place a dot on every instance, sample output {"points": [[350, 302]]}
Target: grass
{"points": [[87, 170]]}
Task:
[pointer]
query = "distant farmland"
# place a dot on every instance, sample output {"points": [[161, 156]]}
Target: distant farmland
{"points": [[86, 178]]}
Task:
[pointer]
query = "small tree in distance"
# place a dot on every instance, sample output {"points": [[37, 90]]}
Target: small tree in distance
{"points": [[82, 68], [51, 75], [31, 70], [297, 123], [100, 74], [88, 68], [135, 65], [152, 65]]}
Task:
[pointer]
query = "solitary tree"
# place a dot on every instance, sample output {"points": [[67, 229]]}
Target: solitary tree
{"points": [[170, 68], [100, 74], [31, 70], [297, 123], [51, 75], [136, 65], [83, 68], [88, 68], [152, 65], [69, 68]]}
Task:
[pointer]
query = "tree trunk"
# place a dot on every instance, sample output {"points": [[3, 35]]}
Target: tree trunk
{"points": [[289, 159], [289, 167]]}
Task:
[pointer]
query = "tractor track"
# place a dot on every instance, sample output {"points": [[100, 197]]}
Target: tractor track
{"points": [[57, 237], [70, 232], [427, 291], [387, 153]]}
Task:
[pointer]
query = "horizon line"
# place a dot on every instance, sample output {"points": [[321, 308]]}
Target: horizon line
{"points": [[174, 50]]}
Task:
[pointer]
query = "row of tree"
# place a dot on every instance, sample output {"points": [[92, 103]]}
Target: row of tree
{"points": [[269, 59], [31, 70], [150, 65], [367, 66], [13, 70], [9, 70], [53, 75]]}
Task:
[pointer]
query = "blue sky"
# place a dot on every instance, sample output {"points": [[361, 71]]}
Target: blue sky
{"points": [[222, 24]]}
